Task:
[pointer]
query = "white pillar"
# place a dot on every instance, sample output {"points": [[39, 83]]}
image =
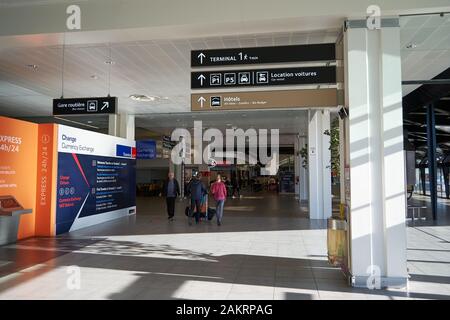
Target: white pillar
{"points": [[113, 127], [378, 204], [127, 126], [319, 165], [122, 125]]}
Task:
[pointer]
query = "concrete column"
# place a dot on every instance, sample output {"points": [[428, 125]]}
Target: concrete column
{"points": [[319, 165], [113, 128], [127, 126], [122, 125], [377, 232]]}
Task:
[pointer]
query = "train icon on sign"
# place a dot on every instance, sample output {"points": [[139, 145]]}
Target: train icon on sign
{"points": [[92, 106]]}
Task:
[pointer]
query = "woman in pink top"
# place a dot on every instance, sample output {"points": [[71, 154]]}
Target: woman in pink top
{"points": [[219, 192]]}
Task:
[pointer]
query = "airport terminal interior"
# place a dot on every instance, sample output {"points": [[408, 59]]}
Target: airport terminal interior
{"points": [[274, 240]]}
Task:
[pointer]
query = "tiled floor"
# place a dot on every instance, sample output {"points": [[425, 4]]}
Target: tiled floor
{"points": [[266, 249]]}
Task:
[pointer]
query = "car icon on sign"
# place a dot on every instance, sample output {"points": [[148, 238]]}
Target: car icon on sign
{"points": [[244, 77], [262, 77]]}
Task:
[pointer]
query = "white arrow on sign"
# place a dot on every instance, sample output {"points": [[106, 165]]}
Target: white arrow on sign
{"points": [[105, 105], [202, 101], [201, 78], [201, 56]]}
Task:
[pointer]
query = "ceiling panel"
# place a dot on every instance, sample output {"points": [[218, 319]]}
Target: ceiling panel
{"points": [[162, 67], [153, 67]]}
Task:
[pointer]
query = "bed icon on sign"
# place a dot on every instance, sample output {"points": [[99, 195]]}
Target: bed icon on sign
{"points": [[216, 102]]}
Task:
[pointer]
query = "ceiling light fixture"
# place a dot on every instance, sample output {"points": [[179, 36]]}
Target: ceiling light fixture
{"points": [[411, 46], [143, 98], [33, 66], [111, 62]]}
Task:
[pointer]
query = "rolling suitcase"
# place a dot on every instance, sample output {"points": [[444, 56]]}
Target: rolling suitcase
{"points": [[211, 213], [204, 207]]}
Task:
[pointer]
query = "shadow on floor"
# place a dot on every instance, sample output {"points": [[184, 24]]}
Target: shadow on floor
{"points": [[161, 270]]}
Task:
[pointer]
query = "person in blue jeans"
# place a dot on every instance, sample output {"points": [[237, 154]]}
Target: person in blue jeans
{"points": [[219, 191], [197, 190]]}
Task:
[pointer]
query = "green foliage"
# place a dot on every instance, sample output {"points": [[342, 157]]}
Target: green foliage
{"points": [[334, 148], [304, 155]]}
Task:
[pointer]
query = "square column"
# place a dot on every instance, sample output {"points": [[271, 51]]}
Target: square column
{"points": [[122, 125], [319, 165], [377, 205]]}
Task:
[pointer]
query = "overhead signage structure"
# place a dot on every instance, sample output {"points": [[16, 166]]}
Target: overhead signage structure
{"points": [[308, 98], [263, 77], [167, 143], [263, 55], [80, 106]]}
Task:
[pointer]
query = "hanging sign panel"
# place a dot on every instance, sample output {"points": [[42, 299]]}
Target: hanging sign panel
{"points": [[263, 77], [263, 55], [77, 106], [308, 98]]}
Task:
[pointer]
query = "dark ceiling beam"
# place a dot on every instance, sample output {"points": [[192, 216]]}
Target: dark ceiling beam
{"points": [[423, 129], [420, 82], [426, 94], [421, 120], [439, 139]]}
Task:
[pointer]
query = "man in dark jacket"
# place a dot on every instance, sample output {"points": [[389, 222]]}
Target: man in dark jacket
{"points": [[171, 190], [197, 190]]}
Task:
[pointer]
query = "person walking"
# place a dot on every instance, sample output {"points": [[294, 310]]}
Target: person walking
{"points": [[197, 191], [235, 186], [171, 190], [219, 192]]}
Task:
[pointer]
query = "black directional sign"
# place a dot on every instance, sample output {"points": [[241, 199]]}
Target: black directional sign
{"points": [[261, 55], [77, 106], [263, 77]]}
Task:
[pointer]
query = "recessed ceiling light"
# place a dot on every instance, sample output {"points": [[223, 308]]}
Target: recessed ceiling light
{"points": [[411, 46], [89, 122], [110, 62], [143, 97], [33, 66]]}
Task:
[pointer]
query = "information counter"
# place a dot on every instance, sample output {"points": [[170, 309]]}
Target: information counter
{"points": [[10, 213]]}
